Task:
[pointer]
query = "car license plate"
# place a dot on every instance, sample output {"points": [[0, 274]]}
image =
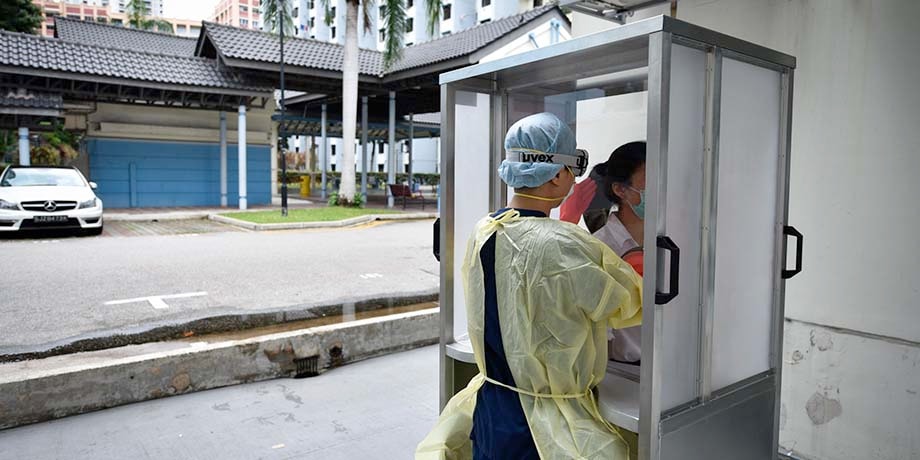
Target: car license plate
{"points": [[50, 219]]}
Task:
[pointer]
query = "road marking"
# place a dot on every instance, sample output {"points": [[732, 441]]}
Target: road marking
{"points": [[368, 276], [157, 301]]}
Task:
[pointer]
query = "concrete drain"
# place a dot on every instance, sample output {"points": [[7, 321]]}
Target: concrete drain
{"points": [[306, 367]]}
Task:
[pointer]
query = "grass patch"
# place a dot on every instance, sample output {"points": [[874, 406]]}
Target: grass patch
{"points": [[304, 215]]}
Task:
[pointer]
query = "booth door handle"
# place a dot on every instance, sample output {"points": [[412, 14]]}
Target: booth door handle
{"points": [[789, 230], [436, 242], [664, 242]]}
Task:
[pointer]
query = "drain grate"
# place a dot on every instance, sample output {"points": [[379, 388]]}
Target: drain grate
{"points": [[306, 367]]}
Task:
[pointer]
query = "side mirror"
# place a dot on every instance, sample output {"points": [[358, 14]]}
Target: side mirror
{"points": [[93, 185]]}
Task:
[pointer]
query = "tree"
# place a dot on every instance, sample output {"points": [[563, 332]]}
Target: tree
{"points": [[394, 20], [139, 18], [20, 16]]}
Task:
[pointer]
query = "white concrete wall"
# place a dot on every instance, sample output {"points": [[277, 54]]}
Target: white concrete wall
{"points": [[542, 34], [850, 385]]}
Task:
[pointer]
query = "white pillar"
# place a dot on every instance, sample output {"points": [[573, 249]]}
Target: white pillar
{"points": [[364, 147], [391, 151], [223, 158], [241, 148], [24, 158], [323, 148]]}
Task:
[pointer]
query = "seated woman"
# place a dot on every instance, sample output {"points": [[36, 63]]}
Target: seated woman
{"points": [[624, 184]]}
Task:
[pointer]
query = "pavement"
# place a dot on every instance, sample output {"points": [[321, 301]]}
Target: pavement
{"points": [[374, 409]]}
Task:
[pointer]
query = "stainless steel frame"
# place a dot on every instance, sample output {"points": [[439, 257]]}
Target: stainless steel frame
{"points": [[709, 215], [656, 189], [649, 43]]}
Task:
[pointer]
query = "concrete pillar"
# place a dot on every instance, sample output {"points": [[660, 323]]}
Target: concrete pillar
{"points": [[364, 147], [391, 151], [24, 157], [241, 148], [223, 158], [323, 148]]}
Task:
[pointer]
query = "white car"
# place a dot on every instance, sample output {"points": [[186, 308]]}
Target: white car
{"points": [[48, 197]]}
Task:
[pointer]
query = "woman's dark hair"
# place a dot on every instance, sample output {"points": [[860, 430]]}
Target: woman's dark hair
{"points": [[623, 162]]}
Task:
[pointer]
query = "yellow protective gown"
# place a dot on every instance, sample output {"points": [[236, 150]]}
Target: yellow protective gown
{"points": [[558, 289]]}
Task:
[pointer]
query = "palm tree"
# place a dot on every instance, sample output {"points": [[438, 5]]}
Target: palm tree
{"points": [[271, 10], [394, 19], [138, 18]]}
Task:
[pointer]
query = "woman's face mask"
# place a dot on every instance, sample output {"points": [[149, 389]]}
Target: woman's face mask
{"points": [[639, 209]]}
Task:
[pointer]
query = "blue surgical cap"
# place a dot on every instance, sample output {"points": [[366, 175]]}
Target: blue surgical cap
{"points": [[543, 132]]}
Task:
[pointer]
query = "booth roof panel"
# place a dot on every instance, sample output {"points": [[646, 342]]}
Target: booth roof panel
{"points": [[636, 32], [43, 55], [93, 33]]}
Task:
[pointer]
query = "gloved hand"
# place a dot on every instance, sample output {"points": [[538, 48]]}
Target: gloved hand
{"points": [[576, 205]]}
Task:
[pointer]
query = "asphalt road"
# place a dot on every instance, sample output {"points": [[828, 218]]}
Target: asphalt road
{"points": [[57, 289]]}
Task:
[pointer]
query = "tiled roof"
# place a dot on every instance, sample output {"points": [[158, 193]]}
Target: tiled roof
{"points": [[49, 54], [465, 42], [21, 98], [92, 33], [246, 44], [253, 45]]}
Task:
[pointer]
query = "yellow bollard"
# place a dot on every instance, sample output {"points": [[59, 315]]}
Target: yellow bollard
{"points": [[305, 183]]}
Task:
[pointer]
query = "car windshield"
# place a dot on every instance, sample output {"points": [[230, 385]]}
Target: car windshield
{"points": [[26, 177]]}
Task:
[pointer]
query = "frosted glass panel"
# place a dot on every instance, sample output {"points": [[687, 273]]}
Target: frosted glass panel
{"points": [[748, 162], [679, 352], [471, 193]]}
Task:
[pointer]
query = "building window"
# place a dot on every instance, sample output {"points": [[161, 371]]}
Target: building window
{"points": [[332, 13], [244, 23], [74, 16], [446, 14], [116, 22], [486, 3], [379, 168], [380, 148], [409, 44], [312, 22], [101, 19], [409, 4], [332, 33], [383, 11], [333, 149], [445, 33], [383, 34], [485, 21], [410, 25], [332, 166], [537, 3], [244, 9], [296, 12], [255, 24]]}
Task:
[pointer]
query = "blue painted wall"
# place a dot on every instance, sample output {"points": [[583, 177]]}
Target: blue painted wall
{"points": [[143, 173]]}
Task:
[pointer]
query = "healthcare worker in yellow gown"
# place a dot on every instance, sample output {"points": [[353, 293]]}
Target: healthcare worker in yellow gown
{"points": [[540, 294]]}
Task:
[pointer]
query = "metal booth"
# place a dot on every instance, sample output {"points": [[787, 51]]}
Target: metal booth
{"points": [[716, 114]]}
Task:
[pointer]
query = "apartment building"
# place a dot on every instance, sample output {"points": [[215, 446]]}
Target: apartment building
{"points": [[106, 12], [238, 13]]}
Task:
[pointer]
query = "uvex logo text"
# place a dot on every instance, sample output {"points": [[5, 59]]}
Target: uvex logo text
{"points": [[536, 158]]}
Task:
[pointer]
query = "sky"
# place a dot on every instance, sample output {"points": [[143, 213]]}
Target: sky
{"points": [[189, 9]]}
